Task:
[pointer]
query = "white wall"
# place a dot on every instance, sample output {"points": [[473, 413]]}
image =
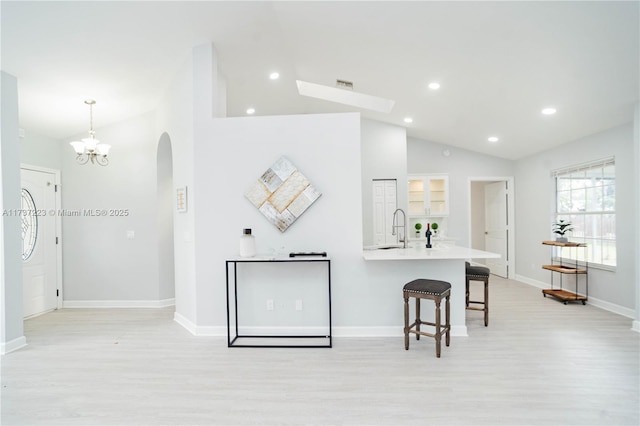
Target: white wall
{"points": [[535, 203], [636, 145], [236, 151], [175, 117], [384, 156], [11, 325], [43, 151], [100, 262]]}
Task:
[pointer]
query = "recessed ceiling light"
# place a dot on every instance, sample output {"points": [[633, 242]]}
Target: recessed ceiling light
{"points": [[434, 86], [408, 120], [549, 111], [274, 76], [251, 111], [493, 139]]}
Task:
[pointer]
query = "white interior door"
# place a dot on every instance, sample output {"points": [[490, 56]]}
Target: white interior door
{"points": [[39, 252], [495, 231], [385, 202]]}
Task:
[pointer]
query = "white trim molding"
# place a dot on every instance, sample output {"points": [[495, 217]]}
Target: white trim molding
{"points": [[384, 331], [198, 330], [72, 304], [13, 345], [598, 303], [388, 331]]}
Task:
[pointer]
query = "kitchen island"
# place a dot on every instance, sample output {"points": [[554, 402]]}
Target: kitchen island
{"points": [[446, 263]]}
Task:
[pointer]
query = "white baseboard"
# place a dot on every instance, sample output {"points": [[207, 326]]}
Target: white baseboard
{"points": [[118, 303], [199, 330], [183, 321], [13, 345], [221, 331], [397, 331], [598, 303]]}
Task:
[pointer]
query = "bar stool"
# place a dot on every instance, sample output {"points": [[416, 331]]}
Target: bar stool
{"points": [[478, 273], [433, 290]]}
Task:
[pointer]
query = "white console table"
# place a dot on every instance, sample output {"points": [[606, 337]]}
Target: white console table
{"points": [[236, 339]]}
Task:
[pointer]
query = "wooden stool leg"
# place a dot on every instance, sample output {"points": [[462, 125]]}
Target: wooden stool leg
{"points": [[438, 335], [418, 318], [448, 319], [466, 294], [406, 322], [486, 302]]}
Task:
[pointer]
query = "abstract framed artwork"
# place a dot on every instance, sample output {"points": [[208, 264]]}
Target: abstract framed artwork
{"points": [[282, 194]]}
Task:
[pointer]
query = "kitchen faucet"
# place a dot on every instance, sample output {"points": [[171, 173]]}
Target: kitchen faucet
{"points": [[403, 226]]}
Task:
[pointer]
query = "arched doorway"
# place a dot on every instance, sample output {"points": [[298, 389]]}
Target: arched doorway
{"points": [[165, 192]]}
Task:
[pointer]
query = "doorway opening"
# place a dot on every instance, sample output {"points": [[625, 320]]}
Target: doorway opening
{"points": [[165, 191], [491, 221]]}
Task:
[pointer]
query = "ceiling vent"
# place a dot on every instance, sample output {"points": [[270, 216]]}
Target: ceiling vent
{"points": [[346, 97], [344, 84]]}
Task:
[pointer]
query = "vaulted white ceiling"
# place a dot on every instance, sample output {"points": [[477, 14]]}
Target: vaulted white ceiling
{"points": [[498, 63]]}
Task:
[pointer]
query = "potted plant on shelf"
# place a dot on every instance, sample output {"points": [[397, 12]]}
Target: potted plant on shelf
{"points": [[418, 227], [434, 228], [561, 227]]}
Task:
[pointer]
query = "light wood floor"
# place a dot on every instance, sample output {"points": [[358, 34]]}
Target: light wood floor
{"points": [[538, 363]]}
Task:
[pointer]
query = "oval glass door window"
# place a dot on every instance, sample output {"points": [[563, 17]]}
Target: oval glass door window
{"points": [[29, 225]]}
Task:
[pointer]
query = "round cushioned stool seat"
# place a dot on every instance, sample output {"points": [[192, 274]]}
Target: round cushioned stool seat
{"points": [[434, 287], [476, 271]]}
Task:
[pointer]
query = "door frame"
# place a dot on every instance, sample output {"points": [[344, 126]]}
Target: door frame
{"points": [[511, 237], [58, 198]]}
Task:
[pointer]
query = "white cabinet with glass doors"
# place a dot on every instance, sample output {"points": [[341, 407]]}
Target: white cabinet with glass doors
{"points": [[428, 195]]}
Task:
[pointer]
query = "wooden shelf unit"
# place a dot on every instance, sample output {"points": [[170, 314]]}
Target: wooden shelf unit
{"points": [[563, 268]]}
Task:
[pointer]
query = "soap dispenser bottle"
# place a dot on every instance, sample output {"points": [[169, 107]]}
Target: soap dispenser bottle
{"points": [[247, 244]]}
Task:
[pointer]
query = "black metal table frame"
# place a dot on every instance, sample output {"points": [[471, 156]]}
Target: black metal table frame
{"points": [[232, 342]]}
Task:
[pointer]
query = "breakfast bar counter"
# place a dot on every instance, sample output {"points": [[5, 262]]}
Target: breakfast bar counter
{"points": [[422, 253], [444, 262]]}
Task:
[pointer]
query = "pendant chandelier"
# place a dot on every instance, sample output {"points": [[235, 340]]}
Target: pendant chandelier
{"points": [[90, 148]]}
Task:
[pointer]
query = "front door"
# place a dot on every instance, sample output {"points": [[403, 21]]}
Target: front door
{"points": [[39, 251]]}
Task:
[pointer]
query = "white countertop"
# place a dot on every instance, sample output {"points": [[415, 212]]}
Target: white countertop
{"points": [[420, 252]]}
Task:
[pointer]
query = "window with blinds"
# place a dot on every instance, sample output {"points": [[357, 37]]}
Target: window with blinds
{"points": [[586, 197]]}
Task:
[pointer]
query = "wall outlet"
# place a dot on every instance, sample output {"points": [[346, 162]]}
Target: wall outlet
{"points": [[298, 305], [269, 304]]}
